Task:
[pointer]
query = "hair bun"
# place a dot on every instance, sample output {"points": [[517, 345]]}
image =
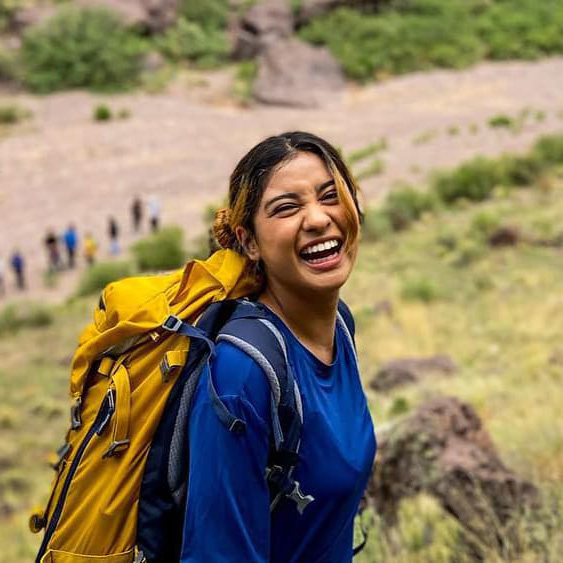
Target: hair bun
{"points": [[222, 228]]}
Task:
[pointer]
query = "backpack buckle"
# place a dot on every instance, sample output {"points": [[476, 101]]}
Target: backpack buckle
{"points": [[301, 500], [172, 323], [117, 446], [75, 420]]}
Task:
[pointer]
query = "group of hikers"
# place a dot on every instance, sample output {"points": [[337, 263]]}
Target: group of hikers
{"points": [[62, 249]]}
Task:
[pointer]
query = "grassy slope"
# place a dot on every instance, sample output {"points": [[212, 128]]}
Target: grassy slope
{"points": [[500, 317]]}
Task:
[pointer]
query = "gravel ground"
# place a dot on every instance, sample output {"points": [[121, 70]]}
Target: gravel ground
{"points": [[61, 166]]}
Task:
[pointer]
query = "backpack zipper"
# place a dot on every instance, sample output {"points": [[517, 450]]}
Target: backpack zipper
{"points": [[102, 418]]}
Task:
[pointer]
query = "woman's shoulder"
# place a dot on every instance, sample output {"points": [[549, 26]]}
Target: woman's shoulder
{"points": [[235, 373]]}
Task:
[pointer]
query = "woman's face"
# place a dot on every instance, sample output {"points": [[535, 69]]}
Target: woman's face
{"points": [[301, 229]]}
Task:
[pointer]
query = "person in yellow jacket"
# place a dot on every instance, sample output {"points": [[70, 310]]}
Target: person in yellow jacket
{"points": [[90, 249]]}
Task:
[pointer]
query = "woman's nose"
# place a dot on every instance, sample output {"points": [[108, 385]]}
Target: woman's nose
{"points": [[316, 218]]}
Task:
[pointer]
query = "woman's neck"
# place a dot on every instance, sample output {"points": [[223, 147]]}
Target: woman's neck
{"points": [[311, 319]]}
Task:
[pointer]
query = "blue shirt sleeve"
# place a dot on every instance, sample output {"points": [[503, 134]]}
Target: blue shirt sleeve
{"points": [[227, 511]]}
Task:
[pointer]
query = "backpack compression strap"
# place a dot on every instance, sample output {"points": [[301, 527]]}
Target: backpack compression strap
{"points": [[251, 331]]}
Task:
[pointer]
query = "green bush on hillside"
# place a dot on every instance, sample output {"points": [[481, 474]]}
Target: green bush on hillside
{"points": [[76, 48], [396, 43], [209, 14], [96, 277], [549, 150], [473, 181], [188, 40], [405, 205], [8, 65], [521, 29], [407, 35], [102, 113], [24, 315], [11, 114], [163, 250]]}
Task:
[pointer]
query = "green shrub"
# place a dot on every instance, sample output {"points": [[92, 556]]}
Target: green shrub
{"points": [[521, 29], [163, 250], [244, 80], [76, 48], [474, 181], [549, 149], [406, 35], [420, 289], [12, 114], [206, 46], [483, 224], [521, 170], [405, 205], [210, 14], [102, 113], [96, 277], [399, 406], [501, 120], [8, 65], [24, 315], [396, 43]]}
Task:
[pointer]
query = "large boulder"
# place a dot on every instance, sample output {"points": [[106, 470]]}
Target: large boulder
{"points": [[403, 371], [263, 24], [444, 450], [293, 73]]}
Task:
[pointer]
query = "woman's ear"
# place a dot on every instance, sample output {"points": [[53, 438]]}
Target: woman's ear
{"points": [[248, 243]]}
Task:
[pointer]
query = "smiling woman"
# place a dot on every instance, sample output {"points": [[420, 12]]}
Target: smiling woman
{"points": [[293, 212]]}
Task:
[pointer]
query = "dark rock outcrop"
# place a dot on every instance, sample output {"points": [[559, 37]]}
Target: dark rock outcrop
{"points": [[410, 370], [444, 450], [505, 236], [293, 73]]}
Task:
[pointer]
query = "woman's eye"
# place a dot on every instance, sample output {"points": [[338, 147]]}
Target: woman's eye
{"points": [[286, 207], [332, 195]]}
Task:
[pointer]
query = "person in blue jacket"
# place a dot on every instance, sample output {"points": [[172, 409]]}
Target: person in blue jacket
{"points": [[293, 211]]}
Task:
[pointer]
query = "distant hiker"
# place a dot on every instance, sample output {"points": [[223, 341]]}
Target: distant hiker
{"points": [[137, 213], [18, 265], [154, 213], [71, 242], [113, 232], [90, 249], [53, 255], [2, 287]]}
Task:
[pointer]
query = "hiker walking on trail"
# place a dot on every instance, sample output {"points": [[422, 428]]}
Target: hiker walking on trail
{"points": [[154, 213], [53, 254], [70, 239], [90, 249], [113, 232], [293, 213], [137, 214], [18, 265]]}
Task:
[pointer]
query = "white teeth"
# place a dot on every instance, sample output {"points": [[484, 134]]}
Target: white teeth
{"points": [[321, 246]]}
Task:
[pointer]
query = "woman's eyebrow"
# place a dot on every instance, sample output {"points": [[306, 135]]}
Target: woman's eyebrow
{"points": [[325, 185]]}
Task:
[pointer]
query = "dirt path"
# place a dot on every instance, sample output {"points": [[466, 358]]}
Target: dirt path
{"points": [[182, 145]]}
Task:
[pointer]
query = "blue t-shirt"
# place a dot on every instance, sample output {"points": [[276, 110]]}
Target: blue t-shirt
{"points": [[227, 515]]}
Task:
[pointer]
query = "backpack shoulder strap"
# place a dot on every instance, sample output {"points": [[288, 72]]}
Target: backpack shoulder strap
{"points": [[251, 330]]}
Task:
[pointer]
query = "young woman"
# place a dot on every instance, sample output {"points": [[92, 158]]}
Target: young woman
{"points": [[293, 212]]}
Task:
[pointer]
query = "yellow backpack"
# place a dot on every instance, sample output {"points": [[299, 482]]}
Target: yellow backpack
{"points": [[122, 373]]}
